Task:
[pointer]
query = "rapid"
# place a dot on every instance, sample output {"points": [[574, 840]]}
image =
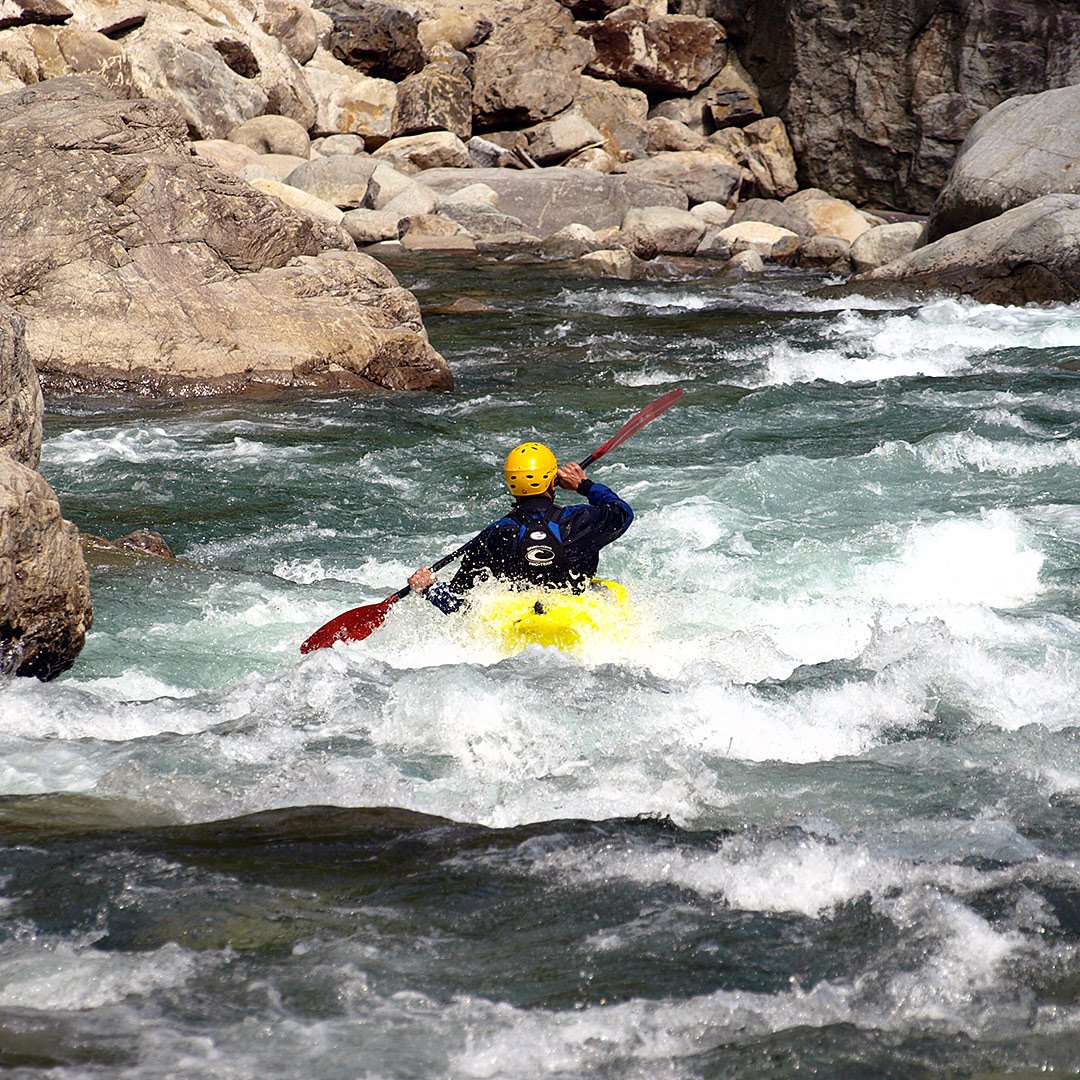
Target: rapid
{"points": [[816, 815]]}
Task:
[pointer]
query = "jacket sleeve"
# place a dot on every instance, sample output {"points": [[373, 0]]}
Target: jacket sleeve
{"points": [[615, 515], [448, 597]]}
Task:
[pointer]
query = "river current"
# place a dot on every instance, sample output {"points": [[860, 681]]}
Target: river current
{"points": [[817, 815]]}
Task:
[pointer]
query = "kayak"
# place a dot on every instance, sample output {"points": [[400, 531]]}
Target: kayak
{"points": [[563, 620]]}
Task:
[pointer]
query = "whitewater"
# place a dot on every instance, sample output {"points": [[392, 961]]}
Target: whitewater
{"points": [[817, 814]]}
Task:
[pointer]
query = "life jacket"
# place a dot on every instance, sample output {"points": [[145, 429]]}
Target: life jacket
{"points": [[538, 556]]}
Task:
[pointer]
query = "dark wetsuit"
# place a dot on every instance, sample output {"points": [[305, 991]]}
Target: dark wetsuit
{"points": [[540, 545]]}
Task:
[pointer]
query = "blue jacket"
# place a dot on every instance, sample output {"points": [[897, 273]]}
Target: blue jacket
{"points": [[540, 545]]}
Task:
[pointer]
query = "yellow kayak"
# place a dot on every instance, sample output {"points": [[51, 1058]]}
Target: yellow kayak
{"points": [[567, 621]]}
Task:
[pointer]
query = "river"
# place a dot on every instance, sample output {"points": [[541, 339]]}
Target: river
{"points": [[817, 815]]}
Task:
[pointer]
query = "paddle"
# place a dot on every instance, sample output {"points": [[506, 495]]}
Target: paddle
{"points": [[359, 622]]}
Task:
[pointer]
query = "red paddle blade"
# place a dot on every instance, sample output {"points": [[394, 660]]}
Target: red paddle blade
{"points": [[354, 625], [636, 423]]}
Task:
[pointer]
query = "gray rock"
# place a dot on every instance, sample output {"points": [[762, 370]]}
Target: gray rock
{"points": [[878, 99], [185, 279], [272, 135], [338, 146], [481, 220], [745, 263], [431, 150], [613, 263], [1030, 254], [44, 584], [884, 243], [20, 393], [665, 230], [529, 69], [571, 242], [552, 141], [548, 199], [705, 176], [385, 183], [413, 201], [485, 154], [340, 181], [1026, 147], [673, 54], [619, 113], [666, 134], [824, 252], [297, 28], [371, 226]]}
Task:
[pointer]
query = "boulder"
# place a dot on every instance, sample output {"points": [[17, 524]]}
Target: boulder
{"points": [[770, 158], [673, 54], [664, 134], [348, 102], [340, 181], [300, 200], [552, 141], [485, 154], [411, 202], [713, 245], [1030, 254], [529, 69], [371, 226], [473, 195], [229, 156], [884, 243], [338, 146], [299, 29], [877, 100], [429, 232], [185, 279], [730, 99], [713, 213], [1027, 147], [571, 242], [44, 584], [431, 150], [548, 199], [771, 243], [612, 263], [435, 99], [110, 16], [704, 175], [827, 216], [774, 212], [458, 29], [663, 229], [483, 221], [824, 252], [272, 135], [20, 393], [745, 263], [619, 113], [379, 40], [594, 158], [385, 184], [278, 166]]}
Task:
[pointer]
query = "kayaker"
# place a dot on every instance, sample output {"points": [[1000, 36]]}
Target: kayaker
{"points": [[537, 544]]}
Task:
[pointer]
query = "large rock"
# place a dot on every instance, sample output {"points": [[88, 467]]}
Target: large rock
{"points": [[877, 98], [673, 54], [774, 212], [348, 102], [1026, 147], [885, 243], [339, 180], [553, 141], [619, 113], [20, 393], [435, 99], [704, 175], [546, 200], [432, 150], [44, 585], [1028, 254], [828, 216], [183, 278], [663, 229], [380, 40], [771, 242], [529, 69], [299, 29], [272, 135]]}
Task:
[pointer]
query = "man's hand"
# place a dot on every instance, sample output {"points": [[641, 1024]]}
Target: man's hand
{"points": [[421, 580], [571, 476]]}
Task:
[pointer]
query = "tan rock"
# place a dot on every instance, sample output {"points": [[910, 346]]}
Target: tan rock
{"points": [[279, 166], [300, 29], [619, 113], [338, 146], [185, 279], [434, 99], [612, 263], [308, 204], [664, 134], [824, 252], [881, 245], [592, 158], [552, 141], [705, 175], [571, 242], [412, 202], [385, 184], [460, 30], [272, 135], [746, 262], [771, 159], [230, 156], [432, 150], [20, 393], [371, 226], [341, 181], [713, 213], [828, 216], [663, 230], [771, 243], [44, 584], [348, 102], [472, 195]]}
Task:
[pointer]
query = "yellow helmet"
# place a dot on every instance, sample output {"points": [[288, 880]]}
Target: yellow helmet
{"points": [[530, 468]]}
